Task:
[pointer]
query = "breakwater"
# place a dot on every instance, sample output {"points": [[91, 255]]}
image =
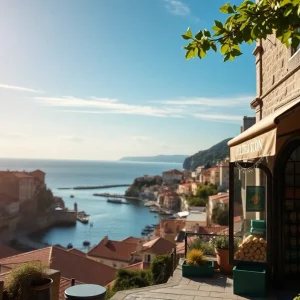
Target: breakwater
{"points": [[108, 195], [94, 187]]}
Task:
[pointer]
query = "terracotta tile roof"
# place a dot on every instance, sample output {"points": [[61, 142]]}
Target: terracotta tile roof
{"points": [[76, 251], [138, 266], [219, 197], [159, 246], [173, 172], [63, 285], [22, 175], [131, 239], [114, 250], [213, 229], [71, 265]]}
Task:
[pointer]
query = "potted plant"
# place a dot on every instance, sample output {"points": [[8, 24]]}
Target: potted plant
{"points": [[196, 265], [28, 282], [221, 244]]}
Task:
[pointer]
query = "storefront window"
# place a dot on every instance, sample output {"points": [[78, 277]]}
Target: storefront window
{"points": [[249, 216]]}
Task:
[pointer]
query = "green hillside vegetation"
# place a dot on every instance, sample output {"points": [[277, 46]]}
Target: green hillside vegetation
{"points": [[202, 194], [217, 152]]}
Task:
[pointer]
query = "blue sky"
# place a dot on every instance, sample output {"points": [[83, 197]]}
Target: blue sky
{"points": [[102, 79]]}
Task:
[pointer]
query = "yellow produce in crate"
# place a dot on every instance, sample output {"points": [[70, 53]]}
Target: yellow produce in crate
{"points": [[252, 249]]}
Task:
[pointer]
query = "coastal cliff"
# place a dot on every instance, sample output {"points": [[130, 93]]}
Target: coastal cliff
{"points": [[217, 152]]}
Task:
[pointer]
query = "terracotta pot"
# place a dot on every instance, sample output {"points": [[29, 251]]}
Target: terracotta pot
{"points": [[223, 261], [42, 289]]}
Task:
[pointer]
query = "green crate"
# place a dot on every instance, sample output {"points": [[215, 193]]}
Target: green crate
{"points": [[249, 280], [205, 270], [258, 224]]}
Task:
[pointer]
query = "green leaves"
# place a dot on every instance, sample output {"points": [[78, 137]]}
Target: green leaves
{"points": [[227, 9], [246, 23], [188, 35]]}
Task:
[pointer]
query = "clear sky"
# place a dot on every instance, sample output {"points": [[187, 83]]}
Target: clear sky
{"points": [[102, 79]]}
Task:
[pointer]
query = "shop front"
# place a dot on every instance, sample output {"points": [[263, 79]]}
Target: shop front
{"points": [[265, 182]]}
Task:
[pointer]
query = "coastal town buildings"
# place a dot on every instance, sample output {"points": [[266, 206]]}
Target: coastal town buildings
{"points": [[117, 254], [172, 176]]}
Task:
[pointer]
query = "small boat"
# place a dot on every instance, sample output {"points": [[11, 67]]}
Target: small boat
{"points": [[172, 218], [91, 224], [143, 232], [154, 209], [86, 243], [71, 196], [70, 246]]}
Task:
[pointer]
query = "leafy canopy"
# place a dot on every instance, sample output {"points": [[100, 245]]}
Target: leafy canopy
{"points": [[247, 23]]}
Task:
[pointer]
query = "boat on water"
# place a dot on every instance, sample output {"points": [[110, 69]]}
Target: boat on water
{"points": [[70, 246], [154, 209], [82, 218], [71, 196], [117, 201], [165, 212], [86, 243]]}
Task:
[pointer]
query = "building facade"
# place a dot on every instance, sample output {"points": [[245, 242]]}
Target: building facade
{"points": [[265, 159]]}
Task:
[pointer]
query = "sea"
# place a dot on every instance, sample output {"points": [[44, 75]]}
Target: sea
{"points": [[107, 219]]}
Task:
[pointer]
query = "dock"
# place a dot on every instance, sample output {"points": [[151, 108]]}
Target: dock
{"points": [[93, 187]]}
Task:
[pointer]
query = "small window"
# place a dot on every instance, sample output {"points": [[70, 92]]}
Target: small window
{"points": [[148, 258], [114, 265]]}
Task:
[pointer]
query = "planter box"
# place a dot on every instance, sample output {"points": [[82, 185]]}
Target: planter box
{"points": [[249, 280], [206, 270]]}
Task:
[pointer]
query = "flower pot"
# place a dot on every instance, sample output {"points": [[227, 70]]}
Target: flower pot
{"points": [[223, 261], [205, 270], [42, 289]]}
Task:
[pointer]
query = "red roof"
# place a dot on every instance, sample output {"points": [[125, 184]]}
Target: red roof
{"points": [[131, 239], [138, 266], [114, 250], [219, 197], [173, 172], [76, 251], [69, 264], [159, 246]]}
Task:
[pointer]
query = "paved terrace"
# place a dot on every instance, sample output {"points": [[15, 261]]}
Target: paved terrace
{"points": [[180, 288]]}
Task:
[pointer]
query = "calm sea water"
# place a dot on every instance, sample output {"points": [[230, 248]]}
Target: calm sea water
{"points": [[116, 221]]}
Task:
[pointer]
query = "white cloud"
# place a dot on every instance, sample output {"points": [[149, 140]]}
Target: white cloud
{"points": [[71, 138], [13, 136], [18, 88], [220, 118], [140, 138], [108, 106], [213, 102], [177, 7]]}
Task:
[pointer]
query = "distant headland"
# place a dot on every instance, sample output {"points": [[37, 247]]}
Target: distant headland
{"points": [[158, 158]]}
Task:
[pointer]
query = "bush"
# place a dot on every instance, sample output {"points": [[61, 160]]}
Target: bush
{"points": [[196, 201], [195, 258], [220, 216], [202, 244], [161, 269], [128, 279], [18, 285], [221, 242]]}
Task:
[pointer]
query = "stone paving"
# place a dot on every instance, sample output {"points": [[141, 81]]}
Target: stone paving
{"points": [[180, 288]]}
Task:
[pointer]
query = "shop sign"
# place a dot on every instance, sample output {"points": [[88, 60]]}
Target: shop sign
{"points": [[255, 198]]}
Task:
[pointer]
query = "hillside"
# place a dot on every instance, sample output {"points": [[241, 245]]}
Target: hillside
{"points": [[158, 158], [211, 155]]}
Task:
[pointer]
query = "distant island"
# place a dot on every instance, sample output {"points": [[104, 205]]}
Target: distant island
{"points": [[158, 158]]}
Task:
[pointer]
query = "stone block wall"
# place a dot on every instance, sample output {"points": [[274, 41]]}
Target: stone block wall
{"points": [[278, 75]]}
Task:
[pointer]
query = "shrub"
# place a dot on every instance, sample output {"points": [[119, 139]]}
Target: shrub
{"points": [[297, 297], [202, 244], [195, 257], [18, 285], [220, 216], [161, 269], [128, 279], [221, 242]]}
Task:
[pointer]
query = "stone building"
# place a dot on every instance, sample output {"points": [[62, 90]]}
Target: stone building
{"points": [[265, 159]]}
